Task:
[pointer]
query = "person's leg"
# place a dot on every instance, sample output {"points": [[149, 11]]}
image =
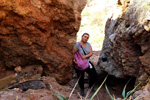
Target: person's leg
{"points": [[81, 83], [81, 80], [80, 75], [93, 70], [92, 76], [78, 72], [94, 73]]}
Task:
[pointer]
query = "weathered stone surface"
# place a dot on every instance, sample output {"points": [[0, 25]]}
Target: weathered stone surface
{"points": [[48, 93], [39, 32], [126, 43], [5, 82], [31, 72], [142, 94]]}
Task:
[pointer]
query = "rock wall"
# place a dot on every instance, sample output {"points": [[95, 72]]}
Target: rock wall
{"points": [[39, 32], [126, 43]]}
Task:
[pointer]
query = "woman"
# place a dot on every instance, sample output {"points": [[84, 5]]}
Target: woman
{"points": [[86, 50]]}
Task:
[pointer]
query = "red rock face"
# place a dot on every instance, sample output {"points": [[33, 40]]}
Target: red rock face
{"points": [[39, 32], [126, 43]]}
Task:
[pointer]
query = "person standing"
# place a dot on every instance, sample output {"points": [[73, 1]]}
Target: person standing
{"points": [[85, 49]]}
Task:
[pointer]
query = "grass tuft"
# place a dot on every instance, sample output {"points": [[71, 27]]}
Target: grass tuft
{"points": [[126, 96], [98, 88]]}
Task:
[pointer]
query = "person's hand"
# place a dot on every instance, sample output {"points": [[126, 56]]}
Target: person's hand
{"points": [[83, 57], [75, 61]]}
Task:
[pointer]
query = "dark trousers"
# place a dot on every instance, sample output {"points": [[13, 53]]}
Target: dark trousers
{"points": [[92, 76]]}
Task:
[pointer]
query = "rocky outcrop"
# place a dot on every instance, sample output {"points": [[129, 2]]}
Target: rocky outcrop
{"points": [[39, 32], [48, 93], [126, 43]]}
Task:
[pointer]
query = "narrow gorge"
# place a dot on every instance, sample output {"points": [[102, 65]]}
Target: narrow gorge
{"points": [[37, 39]]}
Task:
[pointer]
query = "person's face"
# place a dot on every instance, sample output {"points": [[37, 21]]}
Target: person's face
{"points": [[85, 38]]}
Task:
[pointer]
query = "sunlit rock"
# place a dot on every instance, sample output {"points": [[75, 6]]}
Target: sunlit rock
{"points": [[126, 43]]}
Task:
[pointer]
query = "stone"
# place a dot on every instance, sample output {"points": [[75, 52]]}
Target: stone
{"points": [[6, 81], [18, 69], [31, 72], [39, 32], [47, 93], [126, 43], [32, 84], [142, 94]]}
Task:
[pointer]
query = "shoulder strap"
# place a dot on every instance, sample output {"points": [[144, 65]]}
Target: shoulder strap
{"points": [[82, 47]]}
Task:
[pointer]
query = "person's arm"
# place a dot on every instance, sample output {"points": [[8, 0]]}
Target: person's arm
{"points": [[88, 55], [74, 51]]}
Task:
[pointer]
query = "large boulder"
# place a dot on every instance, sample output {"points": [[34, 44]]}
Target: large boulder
{"points": [[126, 43], [39, 32]]}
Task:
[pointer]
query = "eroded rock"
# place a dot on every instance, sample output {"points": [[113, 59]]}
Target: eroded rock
{"points": [[39, 32], [48, 93], [126, 43], [142, 94]]}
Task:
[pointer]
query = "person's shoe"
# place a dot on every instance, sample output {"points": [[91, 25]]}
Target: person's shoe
{"points": [[82, 92]]}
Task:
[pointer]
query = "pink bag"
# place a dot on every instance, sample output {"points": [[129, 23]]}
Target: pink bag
{"points": [[82, 63]]}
